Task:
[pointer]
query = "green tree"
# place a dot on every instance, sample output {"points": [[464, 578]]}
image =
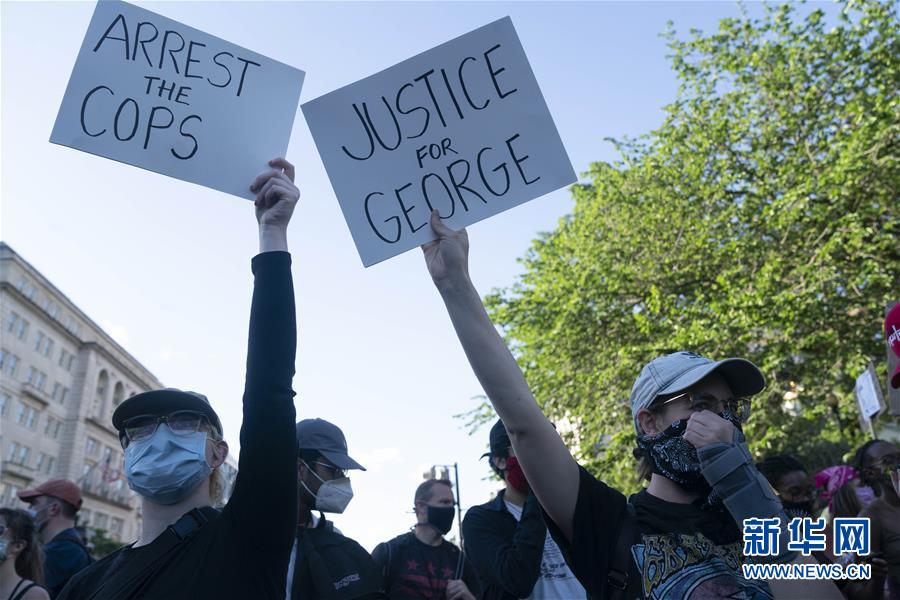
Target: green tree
{"points": [[101, 544], [759, 220]]}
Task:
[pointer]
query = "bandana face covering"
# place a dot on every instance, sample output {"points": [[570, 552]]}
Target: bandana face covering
{"points": [[675, 458]]}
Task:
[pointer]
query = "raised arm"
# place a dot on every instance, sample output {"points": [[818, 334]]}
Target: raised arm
{"points": [[268, 438], [551, 470]]}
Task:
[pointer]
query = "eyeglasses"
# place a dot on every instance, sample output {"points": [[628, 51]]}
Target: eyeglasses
{"points": [[891, 461], [739, 407], [181, 422], [333, 471]]}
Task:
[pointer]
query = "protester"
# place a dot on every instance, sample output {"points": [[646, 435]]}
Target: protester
{"points": [[506, 538], [21, 568], [875, 461], [421, 563], [792, 483], [54, 506], [325, 563], [687, 414], [830, 480], [174, 448]]}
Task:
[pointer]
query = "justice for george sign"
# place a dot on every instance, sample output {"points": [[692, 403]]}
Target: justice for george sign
{"points": [[151, 92], [461, 128]]}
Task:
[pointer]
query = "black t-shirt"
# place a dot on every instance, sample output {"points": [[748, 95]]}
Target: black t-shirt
{"points": [[684, 551], [413, 569], [244, 552]]}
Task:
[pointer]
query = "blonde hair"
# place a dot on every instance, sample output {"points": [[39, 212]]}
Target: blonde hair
{"points": [[218, 482]]}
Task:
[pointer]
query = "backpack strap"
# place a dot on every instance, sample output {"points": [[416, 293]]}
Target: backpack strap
{"points": [[17, 596], [618, 579], [174, 535]]}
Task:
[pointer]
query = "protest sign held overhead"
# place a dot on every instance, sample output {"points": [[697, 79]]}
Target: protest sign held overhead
{"points": [[462, 128], [157, 94]]}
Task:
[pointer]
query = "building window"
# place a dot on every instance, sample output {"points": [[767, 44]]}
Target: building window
{"points": [[10, 495], [22, 458], [40, 461], [4, 357], [100, 395], [36, 378], [5, 400], [101, 520], [39, 342], [116, 526], [11, 451], [52, 428], [27, 415], [26, 288], [48, 349], [118, 393], [59, 393], [51, 462], [91, 446], [16, 325]]}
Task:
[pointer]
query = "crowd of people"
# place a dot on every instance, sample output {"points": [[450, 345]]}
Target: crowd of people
{"points": [[553, 531]]}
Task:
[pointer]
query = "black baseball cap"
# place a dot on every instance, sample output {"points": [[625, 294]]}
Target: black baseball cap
{"points": [[163, 402], [498, 439], [328, 440]]}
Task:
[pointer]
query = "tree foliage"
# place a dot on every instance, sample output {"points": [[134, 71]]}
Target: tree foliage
{"points": [[759, 220]]}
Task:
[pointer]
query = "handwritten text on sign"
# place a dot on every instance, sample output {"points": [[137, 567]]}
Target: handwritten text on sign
{"points": [[151, 92], [461, 128]]}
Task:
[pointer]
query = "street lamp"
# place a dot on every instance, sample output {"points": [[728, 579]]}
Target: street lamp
{"points": [[443, 472]]}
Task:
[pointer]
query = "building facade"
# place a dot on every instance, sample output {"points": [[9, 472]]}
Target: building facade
{"points": [[61, 377]]}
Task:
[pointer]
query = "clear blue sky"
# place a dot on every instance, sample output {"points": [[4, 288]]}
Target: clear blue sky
{"points": [[164, 265]]}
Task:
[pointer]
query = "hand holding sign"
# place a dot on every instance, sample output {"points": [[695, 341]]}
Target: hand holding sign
{"points": [[447, 257], [276, 194]]}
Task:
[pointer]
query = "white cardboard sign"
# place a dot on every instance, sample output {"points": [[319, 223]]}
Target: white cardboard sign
{"points": [[462, 128], [157, 94], [868, 394]]}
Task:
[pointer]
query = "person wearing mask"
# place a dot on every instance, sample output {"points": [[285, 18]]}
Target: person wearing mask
{"points": [[21, 558], [687, 413], [506, 538], [792, 483], [324, 563], [875, 461], [54, 505], [173, 450], [421, 563]]}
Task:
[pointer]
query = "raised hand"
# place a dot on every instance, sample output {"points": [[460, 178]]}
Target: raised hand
{"points": [[447, 257], [276, 194]]}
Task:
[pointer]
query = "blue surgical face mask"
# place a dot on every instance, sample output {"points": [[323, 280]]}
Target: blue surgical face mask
{"points": [[167, 467]]}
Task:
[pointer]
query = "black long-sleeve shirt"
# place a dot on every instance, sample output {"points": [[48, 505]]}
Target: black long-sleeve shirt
{"points": [[242, 553], [506, 554]]}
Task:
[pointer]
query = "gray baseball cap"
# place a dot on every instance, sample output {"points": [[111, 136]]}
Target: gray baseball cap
{"points": [[328, 440], [677, 372]]}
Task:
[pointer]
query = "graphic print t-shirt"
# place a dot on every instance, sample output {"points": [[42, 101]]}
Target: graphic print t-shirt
{"points": [[556, 579], [684, 551], [414, 569]]}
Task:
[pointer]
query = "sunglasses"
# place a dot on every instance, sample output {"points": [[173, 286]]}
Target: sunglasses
{"points": [[739, 407], [180, 422]]}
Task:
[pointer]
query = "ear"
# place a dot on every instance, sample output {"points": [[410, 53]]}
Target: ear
{"points": [[498, 462], [647, 422], [220, 453]]}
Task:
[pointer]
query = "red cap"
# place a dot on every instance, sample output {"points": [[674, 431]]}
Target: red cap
{"points": [[58, 488], [892, 334]]}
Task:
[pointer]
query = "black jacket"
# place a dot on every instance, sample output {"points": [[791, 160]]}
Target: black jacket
{"points": [[506, 554]]}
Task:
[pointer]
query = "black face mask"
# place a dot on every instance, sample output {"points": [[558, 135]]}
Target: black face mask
{"points": [[675, 458], [441, 517], [798, 509]]}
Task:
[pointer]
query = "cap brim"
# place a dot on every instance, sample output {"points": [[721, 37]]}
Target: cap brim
{"points": [[341, 461], [742, 377], [162, 402], [26, 495]]}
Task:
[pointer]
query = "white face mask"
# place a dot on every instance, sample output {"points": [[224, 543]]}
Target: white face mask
{"points": [[333, 496]]}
